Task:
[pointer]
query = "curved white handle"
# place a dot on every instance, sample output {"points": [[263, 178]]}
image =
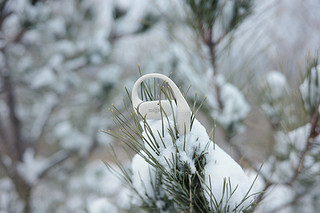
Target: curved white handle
{"points": [[151, 109]]}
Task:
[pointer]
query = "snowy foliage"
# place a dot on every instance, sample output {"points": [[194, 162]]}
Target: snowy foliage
{"points": [[310, 89], [234, 107], [86, 189], [58, 64], [31, 167], [282, 167], [8, 197], [274, 88]]}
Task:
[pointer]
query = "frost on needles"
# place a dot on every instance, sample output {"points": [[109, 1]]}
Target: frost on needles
{"points": [[173, 172]]}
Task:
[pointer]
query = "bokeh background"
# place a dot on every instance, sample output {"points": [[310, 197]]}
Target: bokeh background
{"points": [[63, 63]]}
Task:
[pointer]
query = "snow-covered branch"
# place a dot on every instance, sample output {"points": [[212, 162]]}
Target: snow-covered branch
{"points": [[42, 119], [314, 132], [55, 160]]}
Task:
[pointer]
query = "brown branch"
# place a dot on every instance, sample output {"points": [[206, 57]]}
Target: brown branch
{"points": [[14, 121], [4, 166], [314, 132], [213, 59], [42, 126], [94, 144], [218, 41], [261, 195], [56, 160], [3, 136]]}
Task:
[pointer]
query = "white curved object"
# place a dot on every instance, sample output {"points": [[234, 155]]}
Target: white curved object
{"points": [[151, 109]]}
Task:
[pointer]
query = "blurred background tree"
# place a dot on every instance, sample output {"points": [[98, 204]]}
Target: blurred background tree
{"points": [[62, 63]]}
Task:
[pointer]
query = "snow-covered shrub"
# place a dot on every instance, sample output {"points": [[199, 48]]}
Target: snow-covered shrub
{"points": [[57, 72]]}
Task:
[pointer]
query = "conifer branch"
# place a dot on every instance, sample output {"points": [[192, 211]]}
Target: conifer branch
{"points": [[314, 132]]}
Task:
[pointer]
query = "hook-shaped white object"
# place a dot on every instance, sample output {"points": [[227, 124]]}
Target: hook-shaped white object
{"points": [[151, 109]]}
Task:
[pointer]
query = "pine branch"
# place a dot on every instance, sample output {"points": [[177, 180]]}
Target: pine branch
{"points": [[314, 132]]}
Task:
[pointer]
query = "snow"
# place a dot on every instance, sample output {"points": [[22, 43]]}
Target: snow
{"points": [[31, 166], [226, 8], [62, 34], [57, 26], [288, 147], [71, 138], [221, 169], [310, 89], [281, 167], [109, 74], [277, 84], [276, 196], [296, 138], [143, 178], [101, 205], [9, 199], [235, 108], [45, 77], [274, 89], [91, 187], [219, 166], [124, 198], [133, 19]]}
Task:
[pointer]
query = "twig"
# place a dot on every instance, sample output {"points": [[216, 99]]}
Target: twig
{"points": [[55, 160], [218, 41], [3, 136], [314, 132], [5, 167], [261, 195], [41, 125]]}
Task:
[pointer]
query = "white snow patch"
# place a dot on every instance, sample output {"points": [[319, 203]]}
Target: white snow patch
{"points": [[31, 166], [296, 138], [44, 77], [143, 178], [101, 205], [277, 84], [235, 108], [9, 199], [276, 196]]}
